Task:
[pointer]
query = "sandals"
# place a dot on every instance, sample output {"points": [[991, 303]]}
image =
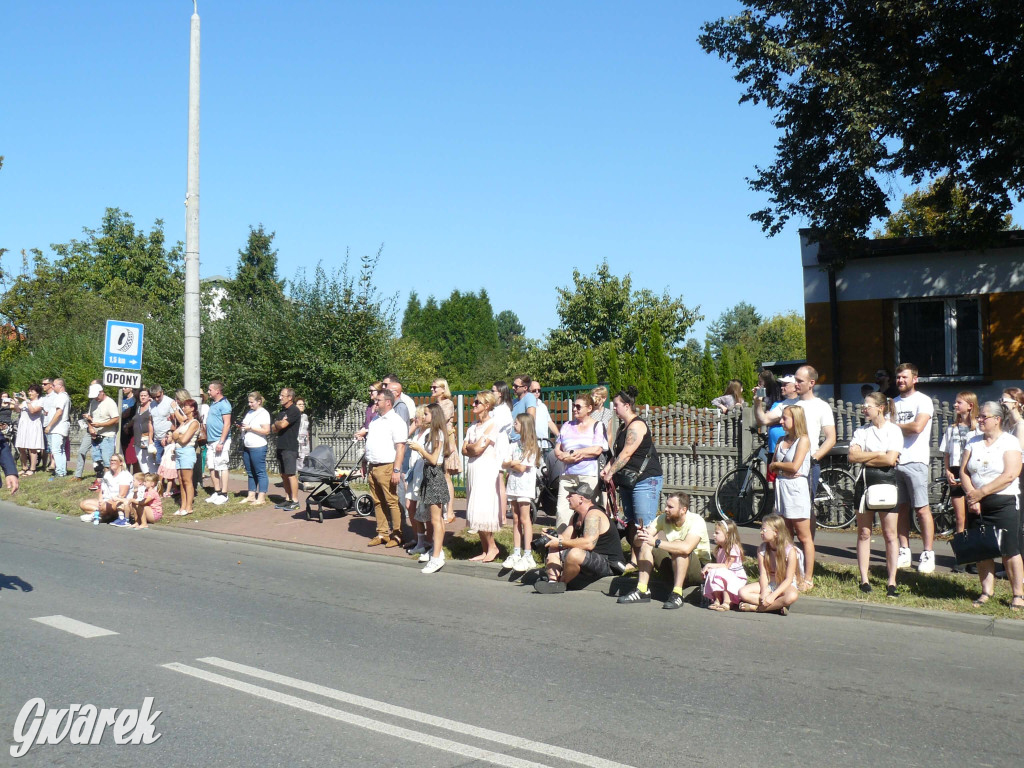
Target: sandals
{"points": [[1017, 603], [985, 596]]}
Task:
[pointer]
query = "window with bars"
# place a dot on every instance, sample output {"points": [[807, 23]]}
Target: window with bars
{"points": [[942, 337]]}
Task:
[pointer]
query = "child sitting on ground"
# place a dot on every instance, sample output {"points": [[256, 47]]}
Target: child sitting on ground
{"points": [[724, 578], [779, 564], [150, 507]]}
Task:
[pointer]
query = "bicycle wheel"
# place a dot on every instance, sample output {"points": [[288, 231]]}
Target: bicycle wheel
{"points": [[943, 516], [741, 495], [833, 503]]}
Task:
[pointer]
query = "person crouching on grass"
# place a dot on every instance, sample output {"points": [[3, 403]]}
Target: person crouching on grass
{"points": [[778, 563], [149, 507]]}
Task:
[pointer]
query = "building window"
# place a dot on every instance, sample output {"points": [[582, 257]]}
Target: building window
{"points": [[942, 337]]}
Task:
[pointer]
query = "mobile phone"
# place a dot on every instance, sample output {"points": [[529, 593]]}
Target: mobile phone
{"points": [[759, 392]]}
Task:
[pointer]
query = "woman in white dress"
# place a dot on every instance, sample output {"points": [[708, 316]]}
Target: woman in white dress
{"points": [[791, 465], [482, 509], [30, 440]]}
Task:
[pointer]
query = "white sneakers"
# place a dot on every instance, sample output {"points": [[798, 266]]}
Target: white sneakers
{"points": [[927, 562], [434, 564], [903, 559], [524, 563], [217, 498]]}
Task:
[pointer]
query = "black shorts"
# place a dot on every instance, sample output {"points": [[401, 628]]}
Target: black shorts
{"points": [[955, 491], [286, 461], [593, 564], [1001, 512]]}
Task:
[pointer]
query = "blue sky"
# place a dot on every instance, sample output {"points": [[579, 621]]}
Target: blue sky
{"points": [[486, 145]]}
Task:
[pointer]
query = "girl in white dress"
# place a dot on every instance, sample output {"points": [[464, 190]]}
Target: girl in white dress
{"points": [[482, 510], [791, 465], [521, 490]]}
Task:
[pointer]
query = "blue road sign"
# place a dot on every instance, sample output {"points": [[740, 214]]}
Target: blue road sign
{"points": [[123, 348]]}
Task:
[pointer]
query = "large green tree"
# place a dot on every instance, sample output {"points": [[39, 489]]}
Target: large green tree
{"points": [[864, 91], [941, 210], [737, 325], [256, 279]]}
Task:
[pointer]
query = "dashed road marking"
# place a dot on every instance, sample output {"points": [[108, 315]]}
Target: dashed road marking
{"points": [[74, 626]]}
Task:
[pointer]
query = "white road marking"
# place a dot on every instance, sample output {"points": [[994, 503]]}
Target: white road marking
{"points": [[422, 739], [74, 626], [419, 717]]}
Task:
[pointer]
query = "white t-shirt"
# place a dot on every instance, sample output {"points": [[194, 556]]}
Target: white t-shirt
{"points": [[782, 405], [886, 438], [541, 419], [818, 414], [62, 401], [257, 418], [986, 462], [916, 448], [951, 443], [385, 432], [111, 485], [161, 415]]}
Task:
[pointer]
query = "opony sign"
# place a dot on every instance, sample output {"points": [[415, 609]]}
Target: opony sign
{"points": [[123, 348]]}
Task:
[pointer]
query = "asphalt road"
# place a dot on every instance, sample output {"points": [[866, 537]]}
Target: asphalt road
{"points": [[260, 655]]}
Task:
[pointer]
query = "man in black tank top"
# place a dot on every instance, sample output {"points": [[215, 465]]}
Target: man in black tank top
{"points": [[590, 547]]}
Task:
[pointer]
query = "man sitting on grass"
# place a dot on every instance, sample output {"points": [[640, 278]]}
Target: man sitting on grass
{"points": [[679, 534], [594, 547]]}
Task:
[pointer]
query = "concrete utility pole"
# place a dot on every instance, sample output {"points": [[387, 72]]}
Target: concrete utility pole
{"points": [[192, 307]]}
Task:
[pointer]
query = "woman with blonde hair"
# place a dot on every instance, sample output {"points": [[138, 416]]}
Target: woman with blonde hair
{"points": [[791, 465], [452, 463], [954, 443], [433, 493], [482, 508]]}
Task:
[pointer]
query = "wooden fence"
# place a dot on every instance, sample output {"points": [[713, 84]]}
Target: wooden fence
{"points": [[697, 446]]}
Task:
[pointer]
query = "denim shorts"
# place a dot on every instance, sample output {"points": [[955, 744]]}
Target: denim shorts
{"points": [[642, 504], [185, 457]]}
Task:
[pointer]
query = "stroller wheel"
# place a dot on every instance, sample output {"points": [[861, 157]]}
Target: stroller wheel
{"points": [[364, 506]]}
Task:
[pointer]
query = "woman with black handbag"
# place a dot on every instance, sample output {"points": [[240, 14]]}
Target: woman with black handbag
{"points": [[635, 468], [991, 464], [877, 446]]}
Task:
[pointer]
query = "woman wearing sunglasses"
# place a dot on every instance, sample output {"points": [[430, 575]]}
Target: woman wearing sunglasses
{"points": [[580, 442], [482, 509]]}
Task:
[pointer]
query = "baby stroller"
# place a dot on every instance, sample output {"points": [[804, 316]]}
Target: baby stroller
{"points": [[331, 488]]}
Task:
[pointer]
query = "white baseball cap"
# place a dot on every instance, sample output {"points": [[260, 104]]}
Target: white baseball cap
{"points": [[94, 390]]}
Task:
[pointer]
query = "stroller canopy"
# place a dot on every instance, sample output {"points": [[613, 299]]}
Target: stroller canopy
{"points": [[320, 461]]}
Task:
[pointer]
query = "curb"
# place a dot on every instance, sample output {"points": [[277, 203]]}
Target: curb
{"points": [[1007, 629]]}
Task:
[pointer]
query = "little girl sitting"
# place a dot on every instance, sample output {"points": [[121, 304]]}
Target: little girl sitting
{"points": [[779, 563], [724, 578], [150, 507]]}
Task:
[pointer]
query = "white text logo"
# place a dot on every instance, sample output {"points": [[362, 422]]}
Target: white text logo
{"points": [[82, 725]]}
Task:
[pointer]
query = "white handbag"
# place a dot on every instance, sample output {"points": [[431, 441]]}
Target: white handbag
{"points": [[880, 496]]}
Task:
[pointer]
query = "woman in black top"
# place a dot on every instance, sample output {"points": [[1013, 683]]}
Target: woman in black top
{"points": [[636, 469]]}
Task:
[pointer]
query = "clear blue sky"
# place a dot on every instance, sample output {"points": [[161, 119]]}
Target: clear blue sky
{"points": [[486, 145]]}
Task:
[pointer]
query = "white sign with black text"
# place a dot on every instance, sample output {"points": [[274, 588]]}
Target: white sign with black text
{"points": [[122, 379]]}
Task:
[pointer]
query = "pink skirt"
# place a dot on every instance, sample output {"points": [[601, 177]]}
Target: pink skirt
{"points": [[724, 580]]}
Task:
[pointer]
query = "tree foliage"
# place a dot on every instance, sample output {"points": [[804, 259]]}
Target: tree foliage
{"points": [[943, 210], [256, 279], [862, 91], [737, 325]]}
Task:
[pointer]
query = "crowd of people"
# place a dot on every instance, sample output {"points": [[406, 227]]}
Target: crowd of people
{"points": [[166, 445], [610, 477]]}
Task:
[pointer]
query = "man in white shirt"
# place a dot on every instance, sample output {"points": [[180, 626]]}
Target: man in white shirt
{"points": [[542, 420], [386, 438], [57, 427], [821, 422], [160, 411], [913, 416]]}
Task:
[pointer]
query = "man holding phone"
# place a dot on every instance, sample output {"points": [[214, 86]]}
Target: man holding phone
{"points": [[591, 547]]}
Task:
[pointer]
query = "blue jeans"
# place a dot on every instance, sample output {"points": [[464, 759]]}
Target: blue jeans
{"points": [[60, 459], [255, 461], [100, 453], [642, 504]]}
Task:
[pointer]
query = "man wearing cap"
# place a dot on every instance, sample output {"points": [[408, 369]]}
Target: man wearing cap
{"points": [[591, 547], [772, 418], [101, 431]]}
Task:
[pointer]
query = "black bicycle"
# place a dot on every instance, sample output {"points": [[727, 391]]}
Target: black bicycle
{"points": [[742, 493], [941, 504]]}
